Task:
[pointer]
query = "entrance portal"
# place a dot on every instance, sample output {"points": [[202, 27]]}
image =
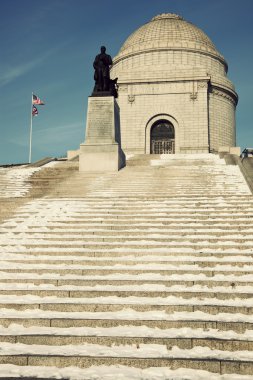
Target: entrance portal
{"points": [[162, 138]]}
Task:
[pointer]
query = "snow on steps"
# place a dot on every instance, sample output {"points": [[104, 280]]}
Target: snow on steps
{"points": [[111, 373], [149, 267], [14, 181], [140, 355]]}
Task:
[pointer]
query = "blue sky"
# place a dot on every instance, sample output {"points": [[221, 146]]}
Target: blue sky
{"points": [[49, 46]]}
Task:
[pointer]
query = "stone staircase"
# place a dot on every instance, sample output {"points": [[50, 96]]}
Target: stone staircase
{"points": [[142, 274]]}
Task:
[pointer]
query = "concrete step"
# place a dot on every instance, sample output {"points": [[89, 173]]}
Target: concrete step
{"points": [[115, 316], [51, 339], [165, 197], [181, 260], [121, 224], [119, 357], [130, 265], [227, 281], [129, 291], [118, 304], [8, 253], [126, 270], [157, 214], [147, 246], [120, 238], [74, 233], [110, 372]]}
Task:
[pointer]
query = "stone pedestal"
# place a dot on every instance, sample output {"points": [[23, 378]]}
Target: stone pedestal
{"points": [[101, 150]]}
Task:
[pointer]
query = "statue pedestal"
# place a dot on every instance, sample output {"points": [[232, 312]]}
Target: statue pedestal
{"points": [[101, 150]]}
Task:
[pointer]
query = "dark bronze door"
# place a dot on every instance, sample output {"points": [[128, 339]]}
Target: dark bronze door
{"points": [[162, 138]]}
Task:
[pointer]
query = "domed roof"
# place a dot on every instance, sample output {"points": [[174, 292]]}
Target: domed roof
{"points": [[169, 31]]}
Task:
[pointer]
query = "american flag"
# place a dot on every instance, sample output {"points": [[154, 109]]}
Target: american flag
{"points": [[37, 100], [34, 111]]}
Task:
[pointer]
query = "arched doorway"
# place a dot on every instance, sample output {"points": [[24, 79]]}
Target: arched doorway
{"points": [[162, 138]]}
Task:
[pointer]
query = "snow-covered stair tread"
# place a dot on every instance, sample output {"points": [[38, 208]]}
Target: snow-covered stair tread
{"points": [[14, 181], [119, 372]]}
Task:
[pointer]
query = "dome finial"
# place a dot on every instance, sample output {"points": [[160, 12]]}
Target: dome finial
{"points": [[167, 15]]}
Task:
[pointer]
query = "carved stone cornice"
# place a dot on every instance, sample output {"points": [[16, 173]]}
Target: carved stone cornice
{"points": [[225, 94]]}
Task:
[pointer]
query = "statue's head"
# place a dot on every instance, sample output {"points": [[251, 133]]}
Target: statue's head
{"points": [[103, 49]]}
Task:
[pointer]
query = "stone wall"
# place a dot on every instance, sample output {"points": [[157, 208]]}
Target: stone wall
{"points": [[182, 103], [221, 120], [170, 61]]}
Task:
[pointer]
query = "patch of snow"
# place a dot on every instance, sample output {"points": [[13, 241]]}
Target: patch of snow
{"points": [[126, 314], [15, 180], [116, 372], [239, 289], [127, 277], [128, 331], [131, 351], [51, 164], [128, 156]]}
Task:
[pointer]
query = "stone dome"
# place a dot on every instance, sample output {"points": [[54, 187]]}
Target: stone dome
{"points": [[168, 31]]}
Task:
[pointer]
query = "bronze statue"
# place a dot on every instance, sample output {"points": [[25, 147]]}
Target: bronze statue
{"points": [[102, 65], [104, 86]]}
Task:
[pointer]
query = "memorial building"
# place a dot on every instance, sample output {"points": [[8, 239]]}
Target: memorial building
{"points": [[174, 95]]}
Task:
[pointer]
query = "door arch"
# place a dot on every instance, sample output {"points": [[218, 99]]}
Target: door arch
{"points": [[162, 137]]}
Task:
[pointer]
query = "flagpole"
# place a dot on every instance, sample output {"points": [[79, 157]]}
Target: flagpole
{"points": [[31, 129]]}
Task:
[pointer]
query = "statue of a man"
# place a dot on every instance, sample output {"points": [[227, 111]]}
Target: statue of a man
{"points": [[102, 65]]}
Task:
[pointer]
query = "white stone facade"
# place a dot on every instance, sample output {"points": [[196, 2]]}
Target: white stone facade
{"points": [[170, 70]]}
